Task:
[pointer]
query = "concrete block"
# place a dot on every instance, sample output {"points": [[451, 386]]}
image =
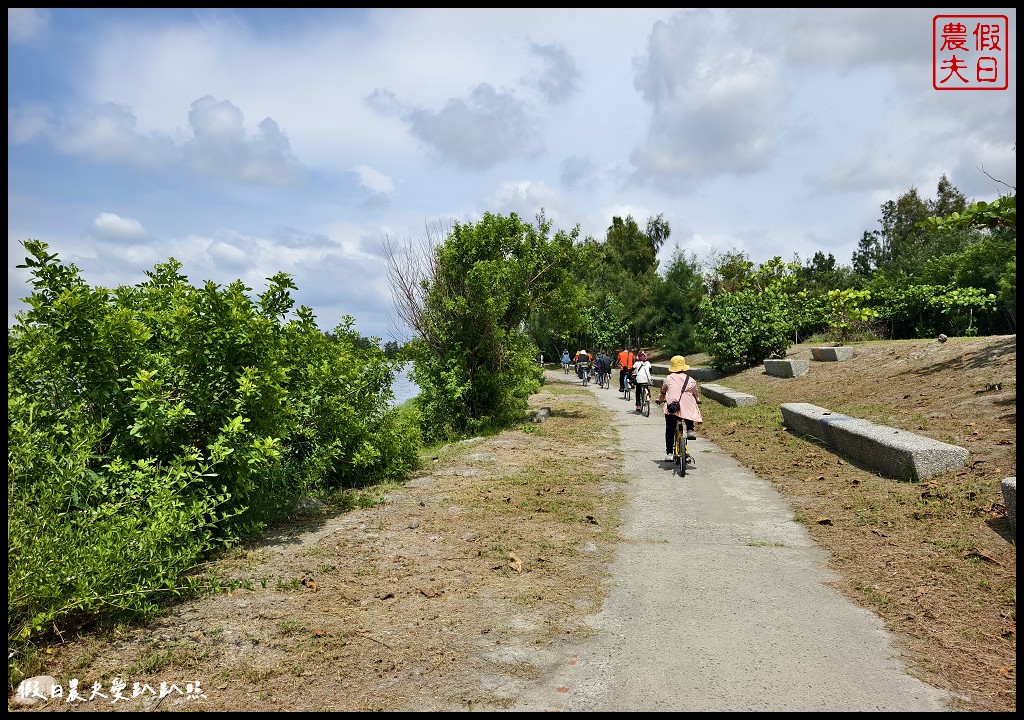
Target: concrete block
{"points": [[898, 454], [786, 368], [832, 354], [725, 396], [697, 373], [702, 374], [1009, 486]]}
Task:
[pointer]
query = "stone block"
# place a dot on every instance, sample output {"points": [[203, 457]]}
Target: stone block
{"points": [[725, 396], [786, 368], [832, 354], [898, 454]]}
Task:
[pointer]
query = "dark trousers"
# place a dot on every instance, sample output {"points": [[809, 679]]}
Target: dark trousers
{"points": [[670, 431], [638, 396], [623, 372]]}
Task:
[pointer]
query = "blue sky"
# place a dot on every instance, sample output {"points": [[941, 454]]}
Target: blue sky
{"points": [[247, 142]]}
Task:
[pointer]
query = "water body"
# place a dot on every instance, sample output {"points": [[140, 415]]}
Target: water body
{"points": [[403, 387]]}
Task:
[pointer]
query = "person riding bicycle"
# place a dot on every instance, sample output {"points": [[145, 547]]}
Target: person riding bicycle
{"points": [[603, 366], [583, 363], [566, 359], [642, 378], [625, 362], [679, 387]]}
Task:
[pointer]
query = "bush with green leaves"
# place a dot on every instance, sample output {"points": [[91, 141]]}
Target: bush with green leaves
{"points": [[741, 329], [915, 311], [151, 425]]}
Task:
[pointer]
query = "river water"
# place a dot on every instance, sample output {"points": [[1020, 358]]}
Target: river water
{"points": [[403, 387]]}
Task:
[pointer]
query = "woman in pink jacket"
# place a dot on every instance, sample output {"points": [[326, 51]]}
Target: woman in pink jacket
{"points": [[679, 387]]}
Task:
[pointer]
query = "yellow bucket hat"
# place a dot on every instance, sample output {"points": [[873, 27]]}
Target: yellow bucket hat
{"points": [[678, 364]]}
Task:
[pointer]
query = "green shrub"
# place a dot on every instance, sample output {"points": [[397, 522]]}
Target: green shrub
{"points": [[151, 425], [741, 329]]}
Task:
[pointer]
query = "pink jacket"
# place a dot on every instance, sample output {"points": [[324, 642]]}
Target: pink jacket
{"points": [[671, 390]]}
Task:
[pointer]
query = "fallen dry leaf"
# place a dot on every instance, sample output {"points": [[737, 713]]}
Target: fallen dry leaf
{"points": [[824, 521], [515, 563], [309, 582]]}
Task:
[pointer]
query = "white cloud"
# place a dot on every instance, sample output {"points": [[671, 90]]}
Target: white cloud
{"points": [[487, 128], [711, 113], [107, 134], [221, 148], [373, 180], [112, 227], [559, 80]]}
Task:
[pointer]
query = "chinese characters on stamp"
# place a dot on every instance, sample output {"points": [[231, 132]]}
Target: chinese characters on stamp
{"points": [[970, 52]]}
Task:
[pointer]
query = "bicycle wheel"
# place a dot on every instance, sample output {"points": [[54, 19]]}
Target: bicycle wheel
{"points": [[626, 394], [679, 452], [675, 454], [645, 408], [684, 454], [586, 378]]}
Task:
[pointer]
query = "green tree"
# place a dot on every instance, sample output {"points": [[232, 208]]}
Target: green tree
{"points": [[905, 242], [749, 315], [678, 297], [468, 298], [622, 273]]}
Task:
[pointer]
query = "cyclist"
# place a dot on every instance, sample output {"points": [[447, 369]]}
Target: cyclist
{"points": [[566, 359], [603, 363], [642, 378], [582, 361], [625, 362], [681, 388]]}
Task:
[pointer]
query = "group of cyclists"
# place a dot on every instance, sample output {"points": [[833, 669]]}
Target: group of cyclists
{"points": [[587, 365], [679, 395]]}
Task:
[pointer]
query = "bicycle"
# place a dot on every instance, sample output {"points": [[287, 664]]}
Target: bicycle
{"points": [[565, 367], [602, 379], [681, 456], [627, 385], [645, 404], [586, 374]]}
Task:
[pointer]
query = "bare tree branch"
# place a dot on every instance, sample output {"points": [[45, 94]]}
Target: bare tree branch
{"points": [[985, 173], [412, 272]]}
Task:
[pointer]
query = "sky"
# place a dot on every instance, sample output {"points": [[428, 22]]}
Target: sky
{"points": [[249, 142]]}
